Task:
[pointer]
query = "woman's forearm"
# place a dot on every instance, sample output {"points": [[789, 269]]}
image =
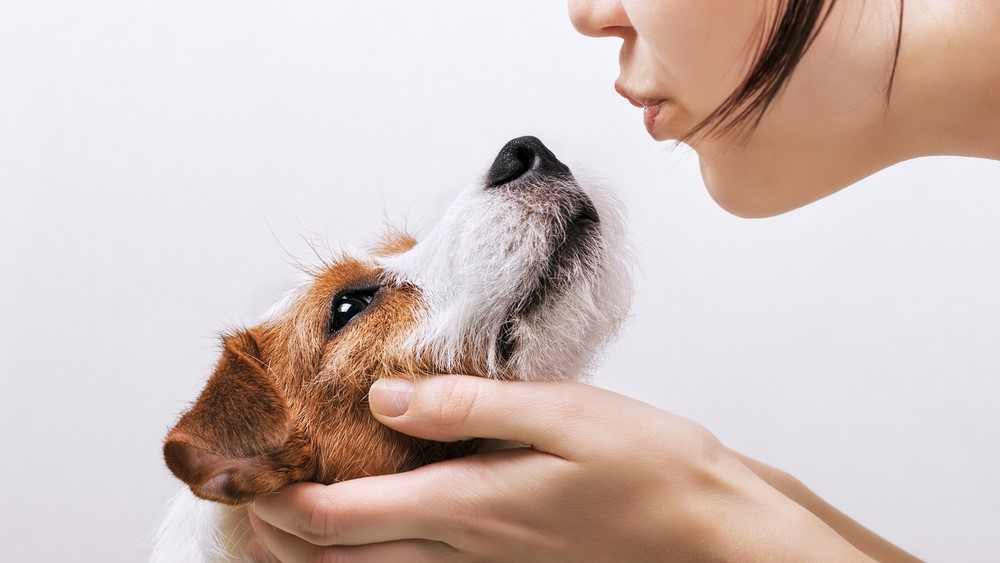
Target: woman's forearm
{"points": [[860, 537]]}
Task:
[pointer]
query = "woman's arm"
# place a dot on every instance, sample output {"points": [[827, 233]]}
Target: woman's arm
{"points": [[860, 537], [606, 478]]}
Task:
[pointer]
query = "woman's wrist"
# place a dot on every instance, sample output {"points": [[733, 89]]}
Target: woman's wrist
{"points": [[751, 520], [861, 538]]}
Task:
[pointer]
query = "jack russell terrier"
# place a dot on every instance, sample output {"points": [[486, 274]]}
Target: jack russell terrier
{"points": [[523, 278]]}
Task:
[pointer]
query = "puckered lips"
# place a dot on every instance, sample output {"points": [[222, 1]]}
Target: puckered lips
{"points": [[650, 105]]}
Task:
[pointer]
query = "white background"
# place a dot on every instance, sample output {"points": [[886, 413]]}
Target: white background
{"points": [[161, 161]]}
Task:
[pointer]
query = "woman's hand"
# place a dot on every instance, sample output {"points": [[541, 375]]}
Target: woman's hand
{"points": [[606, 478]]}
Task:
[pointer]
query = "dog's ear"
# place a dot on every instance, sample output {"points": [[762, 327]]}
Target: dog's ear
{"points": [[233, 444]]}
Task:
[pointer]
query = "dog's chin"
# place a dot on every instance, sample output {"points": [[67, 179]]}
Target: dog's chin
{"points": [[574, 260]]}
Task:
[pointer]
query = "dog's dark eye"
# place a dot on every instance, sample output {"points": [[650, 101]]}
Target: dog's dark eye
{"points": [[347, 306]]}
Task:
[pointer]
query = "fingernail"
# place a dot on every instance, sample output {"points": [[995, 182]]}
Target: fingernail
{"points": [[390, 397]]}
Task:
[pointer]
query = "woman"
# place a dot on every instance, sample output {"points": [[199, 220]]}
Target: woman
{"points": [[785, 103]]}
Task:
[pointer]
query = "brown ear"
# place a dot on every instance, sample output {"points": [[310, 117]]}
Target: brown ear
{"points": [[229, 446]]}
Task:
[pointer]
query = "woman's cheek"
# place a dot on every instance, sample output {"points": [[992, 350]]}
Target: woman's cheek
{"points": [[705, 46]]}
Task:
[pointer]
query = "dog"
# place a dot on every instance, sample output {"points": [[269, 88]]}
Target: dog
{"points": [[525, 277]]}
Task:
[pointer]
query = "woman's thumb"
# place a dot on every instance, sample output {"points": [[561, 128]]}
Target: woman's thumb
{"points": [[447, 408]]}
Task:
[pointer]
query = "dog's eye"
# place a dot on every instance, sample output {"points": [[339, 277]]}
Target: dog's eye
{"points": [[347, 306]]}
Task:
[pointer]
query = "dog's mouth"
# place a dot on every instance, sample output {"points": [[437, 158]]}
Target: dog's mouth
{"points": [[528, 173], [575, 250]]}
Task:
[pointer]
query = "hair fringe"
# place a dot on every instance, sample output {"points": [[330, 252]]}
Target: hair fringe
{"points": [[795, 28]]}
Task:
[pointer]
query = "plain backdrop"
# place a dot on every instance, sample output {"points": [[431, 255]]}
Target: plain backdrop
{"points": [[162, 165]]}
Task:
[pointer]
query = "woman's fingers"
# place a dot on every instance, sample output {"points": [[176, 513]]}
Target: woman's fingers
{"points": [[367, 510], [456, 407], [475, 504], [436, 502], [287, 548]]}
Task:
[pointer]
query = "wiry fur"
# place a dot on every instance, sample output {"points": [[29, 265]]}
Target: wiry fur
{"points": [[517, 281], [513, 232]]}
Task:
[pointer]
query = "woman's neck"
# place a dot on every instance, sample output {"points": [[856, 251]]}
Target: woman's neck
{"points": [[946, 96]]}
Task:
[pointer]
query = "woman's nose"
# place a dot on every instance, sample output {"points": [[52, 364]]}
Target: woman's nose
{"points": [[599, 18]]}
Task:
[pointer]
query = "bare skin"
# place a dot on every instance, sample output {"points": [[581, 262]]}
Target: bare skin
{"points": [[611, 478], [832, 125], [672, 489]]}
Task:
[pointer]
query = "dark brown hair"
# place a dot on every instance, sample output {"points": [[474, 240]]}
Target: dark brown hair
{"points": [[796, 25]]}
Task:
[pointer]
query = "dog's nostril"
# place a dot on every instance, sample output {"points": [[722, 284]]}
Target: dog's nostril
{"points": [[521, 156]]}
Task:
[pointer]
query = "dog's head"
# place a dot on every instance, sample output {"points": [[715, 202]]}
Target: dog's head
{"points": [[522, 279]]}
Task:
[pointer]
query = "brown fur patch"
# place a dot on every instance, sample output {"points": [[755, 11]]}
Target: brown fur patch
{"points": [[288, 401], [394, 242]]}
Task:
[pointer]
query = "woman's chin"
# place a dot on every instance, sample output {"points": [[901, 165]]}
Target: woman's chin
{"points": [[742, 195]]}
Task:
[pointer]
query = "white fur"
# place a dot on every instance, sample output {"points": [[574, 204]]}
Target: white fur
{"points": [[472, 270], [484, 256], [199, 531]]}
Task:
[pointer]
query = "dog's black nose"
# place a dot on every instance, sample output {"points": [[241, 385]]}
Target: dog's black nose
{"points": [[522, 156]]}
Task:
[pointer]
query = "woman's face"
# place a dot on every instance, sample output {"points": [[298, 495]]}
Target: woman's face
{"points": [[680, 59]]}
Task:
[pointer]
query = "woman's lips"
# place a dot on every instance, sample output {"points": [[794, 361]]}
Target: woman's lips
{"points": [[650, 107], [649, 114]]}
